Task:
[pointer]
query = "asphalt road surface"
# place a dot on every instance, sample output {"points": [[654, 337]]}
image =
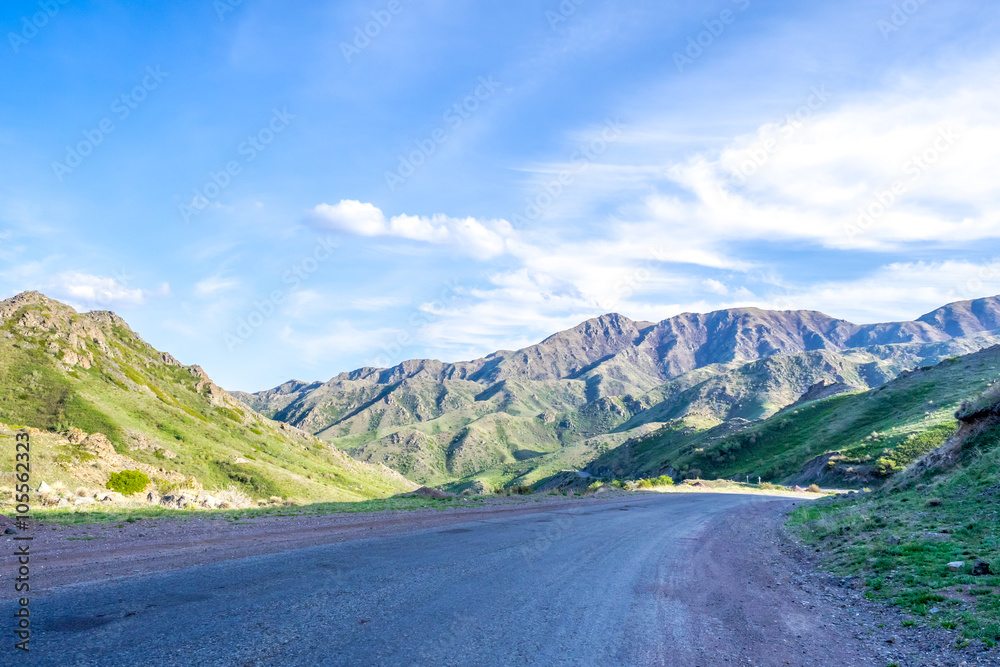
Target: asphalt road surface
{"points": [[605, 583]]}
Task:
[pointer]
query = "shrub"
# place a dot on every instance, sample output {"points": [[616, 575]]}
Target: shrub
{"points": [[231, 414], [886, 466], [128, 482], [814, 488], [166, 487], [662, 480]]}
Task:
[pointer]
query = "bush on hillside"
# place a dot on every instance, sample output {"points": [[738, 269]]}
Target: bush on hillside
{"points": [[128, 482], [662, 480]]}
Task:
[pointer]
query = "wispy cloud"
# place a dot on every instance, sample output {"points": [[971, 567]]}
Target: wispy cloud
{"points": [[482, 239], [215, 284], [90, 292], [910, 165]]}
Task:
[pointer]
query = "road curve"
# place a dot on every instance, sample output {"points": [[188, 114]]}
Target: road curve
{"points": [[585, 585]]}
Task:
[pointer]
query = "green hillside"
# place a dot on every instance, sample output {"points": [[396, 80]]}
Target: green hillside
{"points": [[944, 509], [65, 373], [859, 438]]}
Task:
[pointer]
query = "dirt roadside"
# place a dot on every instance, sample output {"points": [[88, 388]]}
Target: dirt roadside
{"points": [[758, 598]]}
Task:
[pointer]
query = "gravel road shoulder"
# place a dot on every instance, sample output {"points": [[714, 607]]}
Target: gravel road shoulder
{"points": [[759, 598]]}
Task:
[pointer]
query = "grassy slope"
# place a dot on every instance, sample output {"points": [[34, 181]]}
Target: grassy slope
{"points": [[130, 392], [878, 430], [892, 539], [526, 430]]}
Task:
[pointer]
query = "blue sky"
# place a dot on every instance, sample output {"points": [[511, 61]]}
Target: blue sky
{"points": [[269, 192]]}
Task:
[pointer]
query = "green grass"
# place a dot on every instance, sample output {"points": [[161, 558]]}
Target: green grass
{"points": [[880, 430], [857, 536]]}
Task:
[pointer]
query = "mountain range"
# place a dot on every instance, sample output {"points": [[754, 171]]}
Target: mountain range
{"points": [[521, 416]]}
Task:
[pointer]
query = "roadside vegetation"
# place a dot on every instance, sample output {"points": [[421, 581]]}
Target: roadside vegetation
{"points": [[848, 440], [929, 541]]}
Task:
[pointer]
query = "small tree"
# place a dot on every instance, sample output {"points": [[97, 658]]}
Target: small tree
{"points": [[128, 482]]}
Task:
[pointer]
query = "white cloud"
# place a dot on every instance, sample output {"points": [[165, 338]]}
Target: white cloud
{"points": [[715, 286], [215, 284], [830, 181], [897, 292], [89, 292], [352, 217], [482, 239]]}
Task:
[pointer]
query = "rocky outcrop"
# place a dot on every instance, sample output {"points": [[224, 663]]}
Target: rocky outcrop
{"points": [[824, 389]]}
